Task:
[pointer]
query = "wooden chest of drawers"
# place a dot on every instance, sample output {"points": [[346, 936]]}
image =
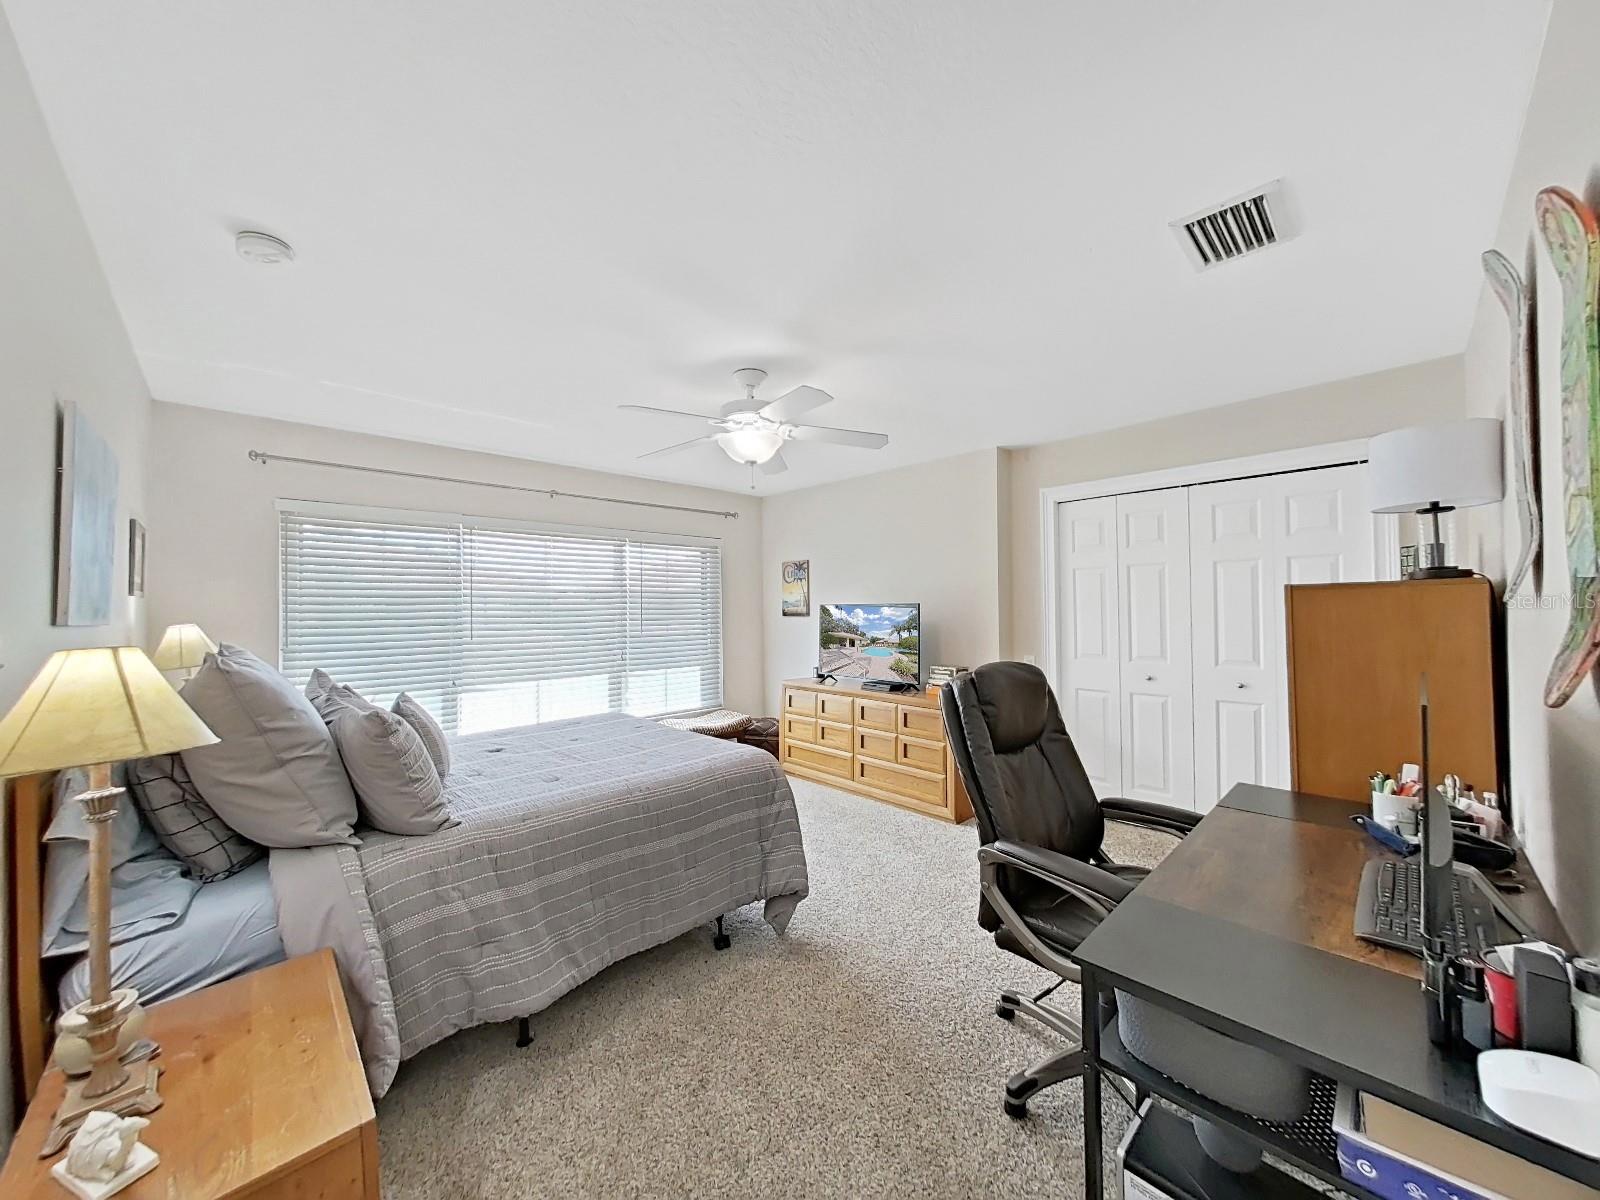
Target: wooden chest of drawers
{"points": [[887, 746]]}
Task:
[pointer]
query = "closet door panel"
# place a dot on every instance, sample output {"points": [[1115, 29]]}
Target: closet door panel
{"points": [[1157, 671], [1090, 667], [1324, 528], [1236, 660]]}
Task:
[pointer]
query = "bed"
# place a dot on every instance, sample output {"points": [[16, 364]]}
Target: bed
{"points": [[579, 843]]}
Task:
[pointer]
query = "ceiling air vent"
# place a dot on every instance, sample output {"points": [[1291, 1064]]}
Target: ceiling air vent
{"points": [[1233, 229]]}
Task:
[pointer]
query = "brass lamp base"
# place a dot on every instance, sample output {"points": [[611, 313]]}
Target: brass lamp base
{"points": [[136, 1096]]}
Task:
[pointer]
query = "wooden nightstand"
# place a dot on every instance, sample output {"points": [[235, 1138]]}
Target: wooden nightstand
{"points": [[264, 1096]]}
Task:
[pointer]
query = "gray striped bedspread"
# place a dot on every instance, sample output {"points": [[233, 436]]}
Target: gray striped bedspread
{"points": [[581, 842]]}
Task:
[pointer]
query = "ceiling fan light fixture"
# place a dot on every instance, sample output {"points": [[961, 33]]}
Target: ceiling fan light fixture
{"points": [[750, 445]]}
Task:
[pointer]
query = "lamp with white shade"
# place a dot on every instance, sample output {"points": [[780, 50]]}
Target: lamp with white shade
{"points": [[94, 707], [1435, 469], [182, 649]]}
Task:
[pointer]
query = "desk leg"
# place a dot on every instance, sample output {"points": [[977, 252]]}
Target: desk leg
{"points": [[1092, 1186]]}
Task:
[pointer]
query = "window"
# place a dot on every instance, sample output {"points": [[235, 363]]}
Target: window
{"points": [[491, 624]]}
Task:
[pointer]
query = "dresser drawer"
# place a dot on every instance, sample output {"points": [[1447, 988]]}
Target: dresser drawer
{"points": [[924, 756], [872, 744], [799, 729], [797, 701], [875, 714], [914, 785], [834, 736], [833, 708], [814, 759], [920, 722]]}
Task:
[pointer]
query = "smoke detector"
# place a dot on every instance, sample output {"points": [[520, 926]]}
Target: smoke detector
{"points": [[1246, 224], [262, 248]]}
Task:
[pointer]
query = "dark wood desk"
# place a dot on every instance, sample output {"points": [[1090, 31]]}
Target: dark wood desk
{"points": [[1245, 927]]}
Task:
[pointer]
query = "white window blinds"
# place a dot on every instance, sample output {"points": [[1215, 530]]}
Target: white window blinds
{"points": [[491, 625]]}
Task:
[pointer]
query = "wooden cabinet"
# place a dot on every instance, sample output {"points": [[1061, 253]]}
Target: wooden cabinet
{"points": [[1357, 654], [885, 746], [263, 1096]]}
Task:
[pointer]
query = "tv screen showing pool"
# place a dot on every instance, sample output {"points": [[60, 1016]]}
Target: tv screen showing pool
{"points": [[871, 641]]}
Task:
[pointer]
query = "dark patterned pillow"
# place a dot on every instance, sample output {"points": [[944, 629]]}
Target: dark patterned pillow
{"points": [[184, 823]]}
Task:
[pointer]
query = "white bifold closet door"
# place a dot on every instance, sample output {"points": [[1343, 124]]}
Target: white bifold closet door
{"points": [[1174, 682], [1157, 690], [1091, 641], [1247, 539], [1128, 699]]}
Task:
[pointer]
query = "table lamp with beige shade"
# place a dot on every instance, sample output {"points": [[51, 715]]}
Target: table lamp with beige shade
{"points": [[91, 708], [181, 651]]}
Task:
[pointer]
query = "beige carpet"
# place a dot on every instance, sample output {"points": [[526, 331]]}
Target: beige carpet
{"points": [[858, 1055]]}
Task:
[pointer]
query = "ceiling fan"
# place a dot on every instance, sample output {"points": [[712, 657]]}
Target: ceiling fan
{"points": [[751, 432]]}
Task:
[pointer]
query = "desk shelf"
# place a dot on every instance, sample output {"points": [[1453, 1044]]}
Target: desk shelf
{"points": [[1307, 1144]]}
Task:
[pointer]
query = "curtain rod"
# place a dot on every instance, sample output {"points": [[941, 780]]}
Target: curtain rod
{"points": [[263, 458]]}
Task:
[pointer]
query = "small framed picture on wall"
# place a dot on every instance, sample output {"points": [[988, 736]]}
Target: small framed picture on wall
{"points": [[135, 558], [797, 588]]}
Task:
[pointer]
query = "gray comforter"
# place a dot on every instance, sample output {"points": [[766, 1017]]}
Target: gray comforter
{"points": [[580, 843]]}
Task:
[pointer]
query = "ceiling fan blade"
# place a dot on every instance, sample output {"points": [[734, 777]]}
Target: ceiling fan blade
{"points": [[840, 437], [669, 412], [774, 465], [796, 403], [710, 437]]}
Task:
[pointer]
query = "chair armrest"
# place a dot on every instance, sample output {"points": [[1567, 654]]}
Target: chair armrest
{"points": [[1176, 821], [1069, 874]]}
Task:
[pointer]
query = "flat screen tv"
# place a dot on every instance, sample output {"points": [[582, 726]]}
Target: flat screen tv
{"points": [[879, 644]]}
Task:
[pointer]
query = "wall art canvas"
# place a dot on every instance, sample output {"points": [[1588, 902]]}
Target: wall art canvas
{"points": [[86, 523], [1571, 235], [135, 557], [797, 588], [1522, 408]]}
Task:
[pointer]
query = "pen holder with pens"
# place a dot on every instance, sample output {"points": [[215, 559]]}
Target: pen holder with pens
{"points": [[1394, 811]]}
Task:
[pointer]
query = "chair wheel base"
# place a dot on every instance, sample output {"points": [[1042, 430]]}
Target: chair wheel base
{"points": [[1017, 1110], [1005, 1012], [721, 941]]}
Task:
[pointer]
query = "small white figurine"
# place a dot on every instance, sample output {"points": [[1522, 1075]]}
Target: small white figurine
{"points": [[104, 1156]]}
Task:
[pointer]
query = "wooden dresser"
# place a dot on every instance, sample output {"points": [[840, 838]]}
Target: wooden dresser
{"points": [[263, 1096], [884, 745]]}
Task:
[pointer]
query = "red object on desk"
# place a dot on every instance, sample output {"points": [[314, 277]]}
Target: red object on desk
{"points": [[1502, 988]]}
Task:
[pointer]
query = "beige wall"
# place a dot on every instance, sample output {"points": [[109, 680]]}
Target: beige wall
{"points": [[924, 534], [1330, 412], [221, 571], [61, 338], [1555, 753]]}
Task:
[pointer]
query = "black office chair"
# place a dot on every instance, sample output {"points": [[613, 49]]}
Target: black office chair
{"points": [[1046, 879]]}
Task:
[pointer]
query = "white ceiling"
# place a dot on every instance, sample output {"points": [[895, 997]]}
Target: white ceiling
{"points": [[511, 217]]}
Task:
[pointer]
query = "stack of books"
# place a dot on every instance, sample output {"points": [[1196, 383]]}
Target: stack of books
{"points": [[939, 676]]}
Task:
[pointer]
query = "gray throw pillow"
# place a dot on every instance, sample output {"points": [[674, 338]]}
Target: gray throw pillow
{"points": [[329, 697], [184, 823], [429, 730], [396, 782], [275, 776]]}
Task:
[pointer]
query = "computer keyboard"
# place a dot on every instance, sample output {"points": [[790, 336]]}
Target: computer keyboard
{"points": [[1389, 910]]}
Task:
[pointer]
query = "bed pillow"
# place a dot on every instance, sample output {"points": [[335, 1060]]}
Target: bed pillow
{"points": [[275, 776], [396, 782], [329, 697], [66, 847], [184, 823], [420, 719]]}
